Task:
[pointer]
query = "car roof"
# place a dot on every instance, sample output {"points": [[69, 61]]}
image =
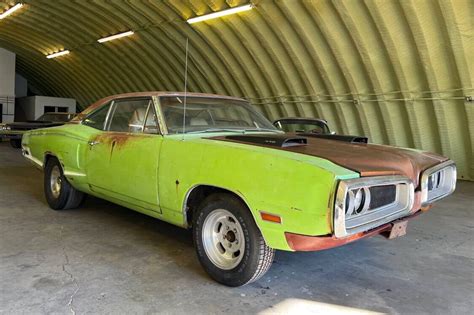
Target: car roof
{"points": [[155, 93]]}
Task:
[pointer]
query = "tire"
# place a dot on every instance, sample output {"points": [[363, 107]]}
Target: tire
{"points": [[224, 225], [59, 194], [16, 143]]}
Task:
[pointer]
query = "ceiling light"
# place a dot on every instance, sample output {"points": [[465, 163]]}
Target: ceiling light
{"points": [[220, 13], [109, 38], [60, 53], [11, 10]]}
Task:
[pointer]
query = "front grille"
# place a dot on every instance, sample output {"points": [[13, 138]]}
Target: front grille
{"points": [[377, 200], [382, 195]]}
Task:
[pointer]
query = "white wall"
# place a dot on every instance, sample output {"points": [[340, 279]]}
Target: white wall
{"points": [[7, 73], [32, 107], [7, 85]]}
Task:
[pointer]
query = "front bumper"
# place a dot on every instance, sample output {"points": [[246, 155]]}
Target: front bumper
{"points": [[298, 242]]}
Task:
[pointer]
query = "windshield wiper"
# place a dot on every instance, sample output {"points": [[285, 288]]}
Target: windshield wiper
{"points": [[215, 130]]}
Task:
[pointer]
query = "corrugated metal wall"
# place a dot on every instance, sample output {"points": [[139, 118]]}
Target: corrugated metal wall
{"points": [[396, 71]]}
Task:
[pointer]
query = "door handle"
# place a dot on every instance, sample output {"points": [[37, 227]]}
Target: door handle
{"points": [[93, 143]]}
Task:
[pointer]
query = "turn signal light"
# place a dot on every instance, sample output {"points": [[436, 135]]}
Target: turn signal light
{"points": [[270, 217]]}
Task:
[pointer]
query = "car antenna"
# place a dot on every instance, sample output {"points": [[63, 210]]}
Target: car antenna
{"points": [[185, 86]]}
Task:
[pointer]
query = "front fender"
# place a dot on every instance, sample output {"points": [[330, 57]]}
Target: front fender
{"points": [[292, 186]]}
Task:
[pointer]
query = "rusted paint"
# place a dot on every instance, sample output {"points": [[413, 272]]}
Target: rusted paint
{"points": [[112, 151], [366, 159], [116, 139], [299, 242]]}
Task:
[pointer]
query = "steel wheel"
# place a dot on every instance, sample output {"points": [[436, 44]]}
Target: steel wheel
{"points": [[55, 181], [223, 239]]}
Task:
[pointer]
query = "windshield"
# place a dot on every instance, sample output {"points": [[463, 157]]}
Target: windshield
{"points": [[55, 117], [206, 114], [297, 125]]}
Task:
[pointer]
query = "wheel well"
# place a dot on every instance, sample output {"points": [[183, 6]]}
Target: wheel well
{"points": [[197, 196], [47, 156]]}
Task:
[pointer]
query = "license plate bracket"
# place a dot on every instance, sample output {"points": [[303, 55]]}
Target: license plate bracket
{"points": [[399, 228]]}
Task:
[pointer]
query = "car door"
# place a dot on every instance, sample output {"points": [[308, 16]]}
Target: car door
{"points": [[122, 160]]}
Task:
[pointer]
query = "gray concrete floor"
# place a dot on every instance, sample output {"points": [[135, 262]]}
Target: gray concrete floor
{"points": [[103, 258]]}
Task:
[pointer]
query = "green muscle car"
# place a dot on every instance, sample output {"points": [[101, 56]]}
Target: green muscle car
{"points": [[216, 165]]}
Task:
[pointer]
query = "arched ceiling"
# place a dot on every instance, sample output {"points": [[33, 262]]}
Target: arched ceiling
{"points": [[396, 71]]}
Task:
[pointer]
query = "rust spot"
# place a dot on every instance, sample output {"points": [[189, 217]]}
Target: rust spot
{"points": [[298, 242], [112, 150], [116, 139]]}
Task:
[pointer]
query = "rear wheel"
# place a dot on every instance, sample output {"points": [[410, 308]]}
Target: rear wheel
{"points": [[228, 243], [59, 193], [16, 143]]}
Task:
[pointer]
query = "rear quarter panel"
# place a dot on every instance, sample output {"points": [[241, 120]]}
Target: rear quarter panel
{"points": [[67, 143]]}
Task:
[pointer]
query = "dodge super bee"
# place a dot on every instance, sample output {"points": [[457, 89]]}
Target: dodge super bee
{"points": [[215, 165]]}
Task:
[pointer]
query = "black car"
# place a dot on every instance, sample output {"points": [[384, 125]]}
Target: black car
{"points": [[303, 125], [14, 131], [314, 127]]}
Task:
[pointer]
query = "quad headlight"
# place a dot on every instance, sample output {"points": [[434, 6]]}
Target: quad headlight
{"points": [[438, 182], [5, 127], [365, 203], [357, 201]]}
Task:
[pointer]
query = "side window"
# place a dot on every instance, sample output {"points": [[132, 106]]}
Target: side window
{"points": [[129, 115], [98, 118], [151, 123]]}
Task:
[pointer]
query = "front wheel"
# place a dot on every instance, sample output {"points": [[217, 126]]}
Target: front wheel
{"points": [[228, 243], [59, 193]]}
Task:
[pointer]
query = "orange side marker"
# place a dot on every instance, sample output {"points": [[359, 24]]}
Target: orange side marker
{"points": [[270, 217]]}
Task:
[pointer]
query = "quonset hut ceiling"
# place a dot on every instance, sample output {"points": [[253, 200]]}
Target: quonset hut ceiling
{"points": [[400, 72]]}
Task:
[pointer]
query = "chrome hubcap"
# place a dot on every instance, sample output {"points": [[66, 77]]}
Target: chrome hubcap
{"points": [[223, 239], [55, 181]]}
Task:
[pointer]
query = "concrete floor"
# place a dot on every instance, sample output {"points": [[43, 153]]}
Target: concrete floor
{"points": [[103, 258]]}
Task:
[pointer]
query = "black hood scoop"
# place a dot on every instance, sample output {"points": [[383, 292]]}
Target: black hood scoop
{"points": [[280, 141], [345, 138]]}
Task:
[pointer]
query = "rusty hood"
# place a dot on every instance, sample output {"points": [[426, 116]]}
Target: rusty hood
{"points": [[366, 159]]}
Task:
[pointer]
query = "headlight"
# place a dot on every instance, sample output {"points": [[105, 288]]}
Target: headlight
{"points": [[5, 127], [438, 182], [357, 201], [365, 203]]}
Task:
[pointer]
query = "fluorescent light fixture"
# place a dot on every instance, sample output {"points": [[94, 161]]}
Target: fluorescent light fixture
{"points": [[220, 13], [11, 10], [109, 38], [59, 53]]}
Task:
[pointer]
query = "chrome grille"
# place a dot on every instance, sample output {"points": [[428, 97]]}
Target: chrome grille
{"points": [[365, 203]]}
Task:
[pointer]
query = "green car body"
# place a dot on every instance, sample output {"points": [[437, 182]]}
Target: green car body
{"points": [[157, 174]]}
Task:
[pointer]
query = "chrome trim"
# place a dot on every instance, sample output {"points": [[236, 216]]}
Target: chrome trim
{"points": [[369, 219], [159, 116], [71, 173], [450, 186], [26, 152]]}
